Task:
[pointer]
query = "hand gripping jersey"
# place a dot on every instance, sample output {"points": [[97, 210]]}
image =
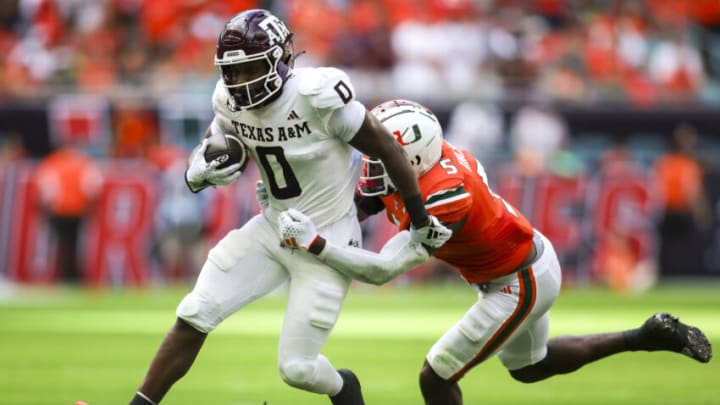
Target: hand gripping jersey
{"points": [[495, 239], [299, 142]]}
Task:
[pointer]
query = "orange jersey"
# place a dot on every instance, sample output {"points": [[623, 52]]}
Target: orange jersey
{"points": [[68, 181], [495, 238]]}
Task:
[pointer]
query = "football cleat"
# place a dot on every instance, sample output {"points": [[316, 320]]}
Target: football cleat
{"points": [[665, 332], [350, 394]]}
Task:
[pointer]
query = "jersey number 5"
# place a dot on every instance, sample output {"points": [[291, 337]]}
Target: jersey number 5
{"points": [[451, 169]]}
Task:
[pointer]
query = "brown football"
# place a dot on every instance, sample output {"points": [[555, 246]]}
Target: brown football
{"points": [[227, 147]]}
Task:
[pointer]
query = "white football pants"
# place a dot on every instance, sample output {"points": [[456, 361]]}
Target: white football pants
{"points": [[249, 263], [510, 319]]}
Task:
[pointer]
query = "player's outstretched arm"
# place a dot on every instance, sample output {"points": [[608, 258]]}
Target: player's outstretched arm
{"points": [[399, 255]]}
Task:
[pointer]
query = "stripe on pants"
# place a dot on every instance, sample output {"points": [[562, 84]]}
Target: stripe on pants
{"points": [[526, 302]]}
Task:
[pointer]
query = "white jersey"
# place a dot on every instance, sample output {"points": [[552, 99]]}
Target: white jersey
{"points": [[300, 143]]}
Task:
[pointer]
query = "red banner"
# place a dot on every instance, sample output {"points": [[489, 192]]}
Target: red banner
{"points": [[579, 214]]}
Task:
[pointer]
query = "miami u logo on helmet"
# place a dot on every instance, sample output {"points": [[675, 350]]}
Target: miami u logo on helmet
{"points": [[401, 136]]}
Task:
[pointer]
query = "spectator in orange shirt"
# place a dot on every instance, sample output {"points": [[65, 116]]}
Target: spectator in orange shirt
{"points": [[68, 182], [686, 208]]}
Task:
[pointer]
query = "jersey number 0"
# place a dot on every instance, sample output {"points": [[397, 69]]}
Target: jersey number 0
{"points": [[283, 182]]}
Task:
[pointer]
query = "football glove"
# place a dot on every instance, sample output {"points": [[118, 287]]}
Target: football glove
{"points": [[297, 230], [261, 194], [432, 235], [201, 174]]}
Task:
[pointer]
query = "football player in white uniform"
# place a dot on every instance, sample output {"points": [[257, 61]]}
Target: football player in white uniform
{"points": [[300, 126]]}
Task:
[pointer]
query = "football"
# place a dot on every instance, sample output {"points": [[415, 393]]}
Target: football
{"points": [[227, 147]]}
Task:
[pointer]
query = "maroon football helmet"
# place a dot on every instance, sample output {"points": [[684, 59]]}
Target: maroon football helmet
{"points": [[254, 58]]}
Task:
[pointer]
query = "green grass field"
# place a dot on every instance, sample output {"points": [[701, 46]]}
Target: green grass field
{"points": [[60, 346]]}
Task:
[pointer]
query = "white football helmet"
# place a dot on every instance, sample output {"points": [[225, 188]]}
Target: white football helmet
{"points": [[419, 132]]}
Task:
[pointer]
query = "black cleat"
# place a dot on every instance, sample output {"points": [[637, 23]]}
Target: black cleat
{"points": [[350, 394], [665, 332]]}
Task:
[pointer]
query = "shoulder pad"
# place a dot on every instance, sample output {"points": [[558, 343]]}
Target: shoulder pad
{"points": [[326, 87], [438, 181]]}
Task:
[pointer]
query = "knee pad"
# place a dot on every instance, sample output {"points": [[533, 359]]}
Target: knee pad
{"points": [[298, 373], [199, 312], [445, 364]]}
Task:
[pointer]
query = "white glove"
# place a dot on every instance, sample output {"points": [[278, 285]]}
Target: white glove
{"points": [[432, 235], [261, 194], [201, 174], [296, 229]]}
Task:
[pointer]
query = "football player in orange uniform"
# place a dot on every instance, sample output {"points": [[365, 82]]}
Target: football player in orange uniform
{"points": [[513, 267]]}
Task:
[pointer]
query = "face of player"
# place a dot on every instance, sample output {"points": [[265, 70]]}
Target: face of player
{"points": [[246, 81], [245, 72]]}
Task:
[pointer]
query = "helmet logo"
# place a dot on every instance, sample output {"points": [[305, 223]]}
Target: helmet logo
{"points": [[401, 136], [275, 28]]}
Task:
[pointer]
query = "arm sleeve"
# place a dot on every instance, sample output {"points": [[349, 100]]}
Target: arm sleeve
{"points": [[399, 255]]}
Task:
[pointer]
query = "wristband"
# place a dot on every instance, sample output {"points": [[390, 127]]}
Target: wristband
{"points": [[416, 210], [317, 245]]}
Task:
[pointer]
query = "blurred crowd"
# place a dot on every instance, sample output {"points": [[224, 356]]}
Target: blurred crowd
{"points": [[110, 70], [639, 51]]}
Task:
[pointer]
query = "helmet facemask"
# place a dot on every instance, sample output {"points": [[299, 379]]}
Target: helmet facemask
{"points": [[374, 180], [264, 77]]}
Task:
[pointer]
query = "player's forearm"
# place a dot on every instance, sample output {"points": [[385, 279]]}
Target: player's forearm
{"points": [[374, 140], [193, 186], [405, 180], [398, 256], [207, 134]]}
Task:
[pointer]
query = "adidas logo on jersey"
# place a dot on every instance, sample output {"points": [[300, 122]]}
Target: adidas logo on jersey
{"points": [[293, 115]]}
